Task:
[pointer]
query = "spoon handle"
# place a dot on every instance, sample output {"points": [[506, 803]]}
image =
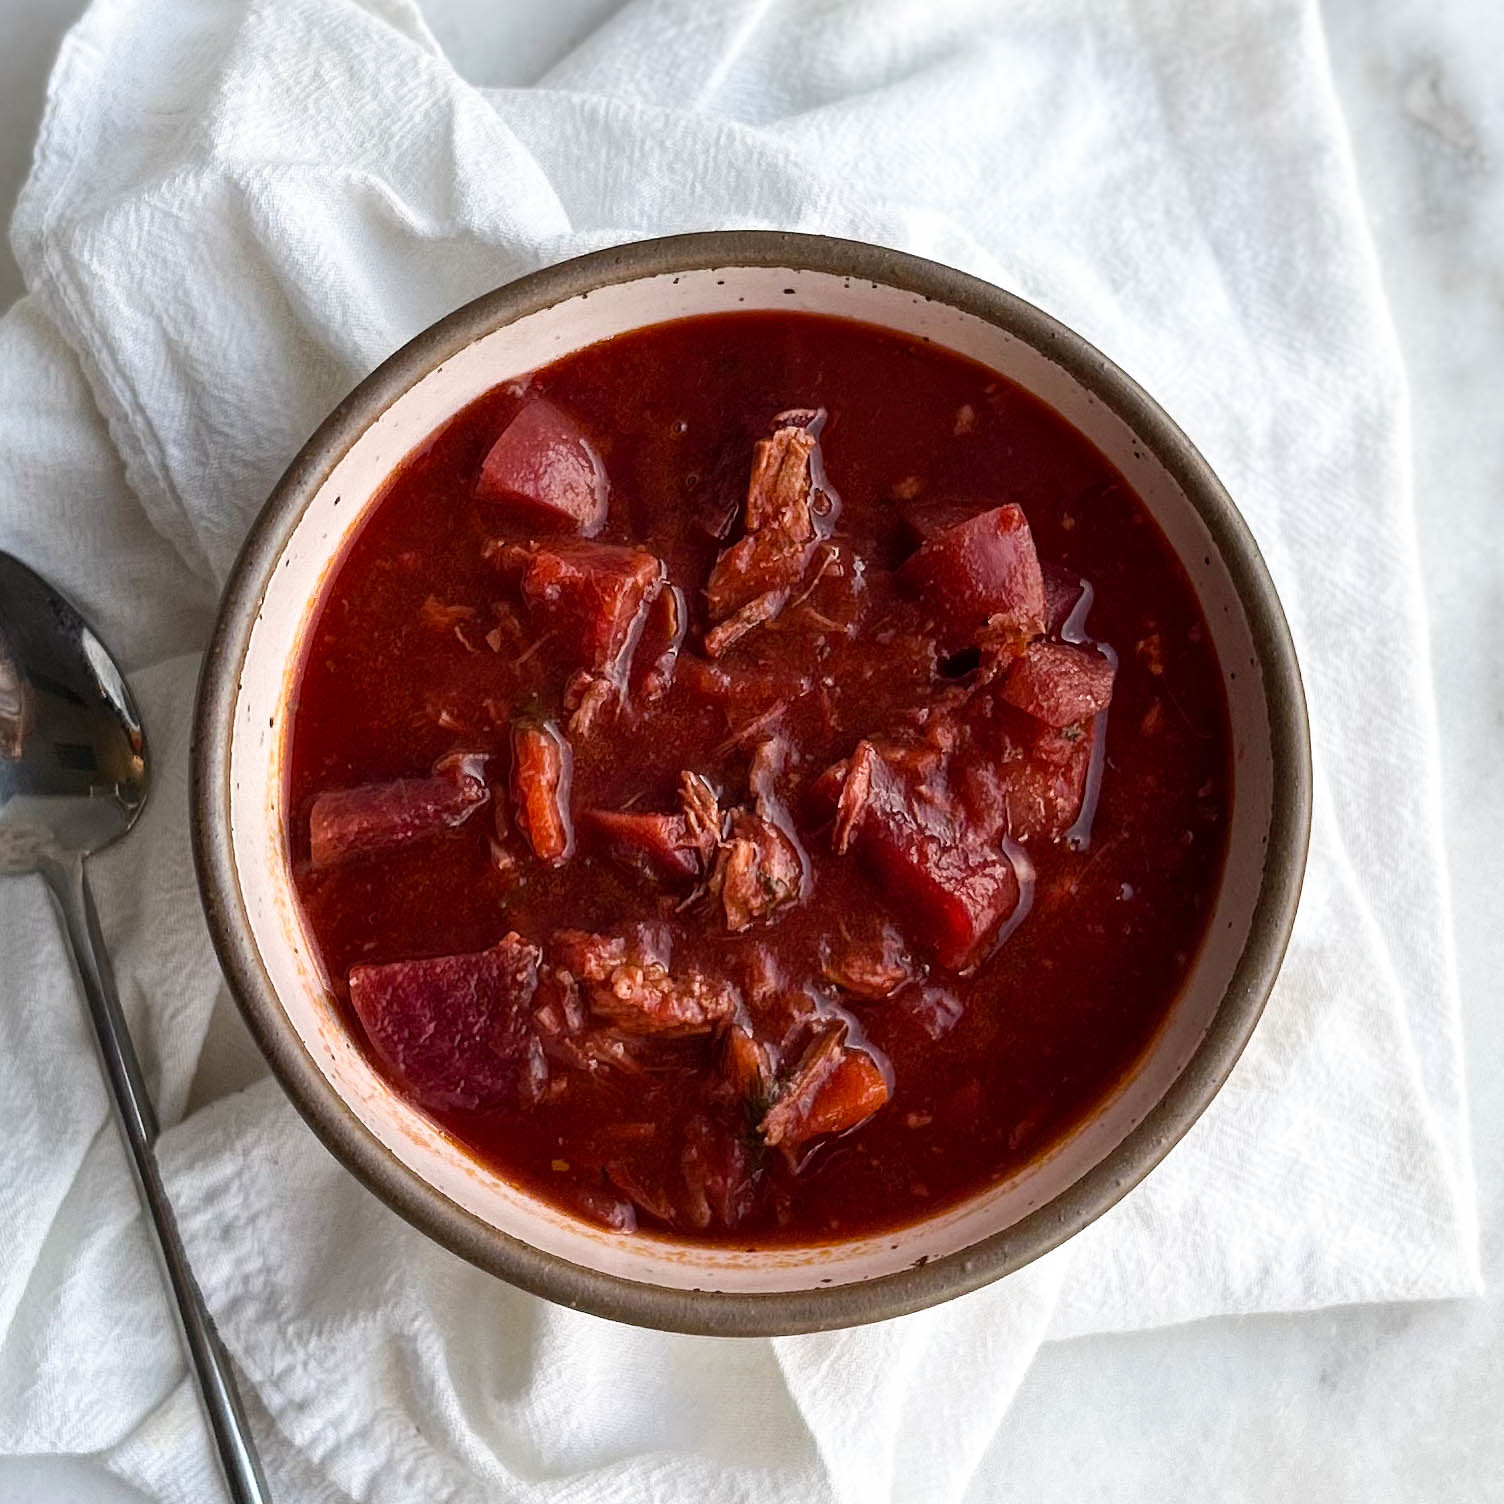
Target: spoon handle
{"points": [[138, 1127]]}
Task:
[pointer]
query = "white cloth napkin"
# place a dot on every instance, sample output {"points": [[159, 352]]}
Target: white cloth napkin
{"points": [[236, 210]]}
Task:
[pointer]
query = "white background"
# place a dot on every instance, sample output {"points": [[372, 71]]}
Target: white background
{"points": [[1379, 1403]]}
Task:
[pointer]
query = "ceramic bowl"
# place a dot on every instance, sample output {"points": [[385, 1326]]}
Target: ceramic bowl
{"points": [[242, 728]]}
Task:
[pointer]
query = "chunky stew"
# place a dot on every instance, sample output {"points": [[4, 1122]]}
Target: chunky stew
{"points": [[760, 778]]}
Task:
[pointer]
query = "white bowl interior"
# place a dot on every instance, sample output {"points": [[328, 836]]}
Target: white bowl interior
{"points": [[260, 727]]}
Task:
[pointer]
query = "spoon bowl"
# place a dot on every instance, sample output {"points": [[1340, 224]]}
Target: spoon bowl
{"points": [[73, 761]]}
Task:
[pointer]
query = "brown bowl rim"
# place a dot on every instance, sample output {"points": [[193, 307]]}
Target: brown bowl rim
{"points": [[703, 1311]]}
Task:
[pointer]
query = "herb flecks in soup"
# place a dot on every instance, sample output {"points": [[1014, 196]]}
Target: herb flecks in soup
{"points": [[760, 778]]}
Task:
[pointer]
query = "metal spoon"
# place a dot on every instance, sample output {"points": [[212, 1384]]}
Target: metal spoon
{"points": [[73, 778]]}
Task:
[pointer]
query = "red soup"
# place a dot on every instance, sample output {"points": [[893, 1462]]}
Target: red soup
{"points": [[761, 778]]}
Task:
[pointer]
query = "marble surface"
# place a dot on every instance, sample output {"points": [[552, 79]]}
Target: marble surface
{"points": [[1380, 1403]]}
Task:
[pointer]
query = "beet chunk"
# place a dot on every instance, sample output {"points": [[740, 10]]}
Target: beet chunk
{"points": [[660, 846], [919, 521], [1017, 774], [592, 597], [546, 470], [950, 885], [452, 1029], [541, 767], [1059, 683], [345, 823], [981, 573], [1045, 791]]}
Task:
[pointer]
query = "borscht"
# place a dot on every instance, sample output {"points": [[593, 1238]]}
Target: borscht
{"points": [[759, 779]]}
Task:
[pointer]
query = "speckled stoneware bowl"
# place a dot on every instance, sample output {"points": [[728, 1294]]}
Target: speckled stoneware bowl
{"points": [[242, 728]]}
